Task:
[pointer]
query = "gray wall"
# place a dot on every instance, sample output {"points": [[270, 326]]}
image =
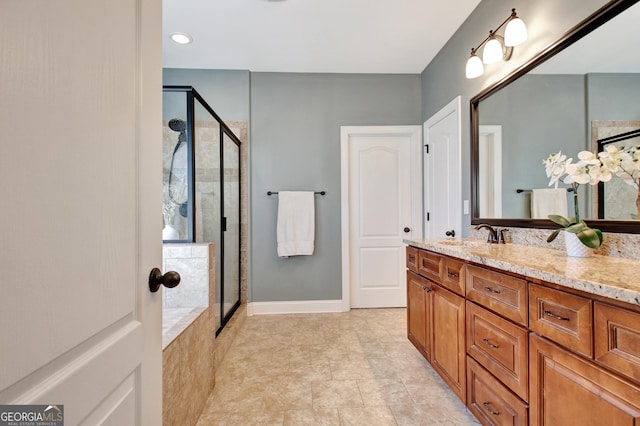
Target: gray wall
{"points": [[227, 92], [613, 97], [295, 145], [443, 79], [543, 113], [539, 115]]}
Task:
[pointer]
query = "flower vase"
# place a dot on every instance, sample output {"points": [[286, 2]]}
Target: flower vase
{"points": [[575, 247]]}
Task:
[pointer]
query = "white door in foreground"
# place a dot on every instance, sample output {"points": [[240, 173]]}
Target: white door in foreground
{"points": [[81, 204]]}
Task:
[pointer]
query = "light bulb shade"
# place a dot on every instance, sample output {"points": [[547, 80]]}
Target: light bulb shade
{"points": [[515, 33], [474, 67], [492, 52]]}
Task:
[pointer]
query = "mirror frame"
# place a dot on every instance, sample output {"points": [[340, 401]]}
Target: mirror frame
{"points": [[601, 16]]}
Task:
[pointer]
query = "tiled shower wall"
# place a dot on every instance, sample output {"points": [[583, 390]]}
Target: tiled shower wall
{"points": [[207, 182]]}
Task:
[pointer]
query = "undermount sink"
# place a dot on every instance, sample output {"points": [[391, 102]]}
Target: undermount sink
{"points": [[461, 243]]}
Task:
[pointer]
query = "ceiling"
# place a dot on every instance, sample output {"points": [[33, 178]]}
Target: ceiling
{"points": [[325, 36]]}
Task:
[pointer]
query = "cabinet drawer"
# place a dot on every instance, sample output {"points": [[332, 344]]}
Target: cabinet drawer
{"points": [[429, 265], [562, 317], [617, 339], [500, 346], [490, 401], [453, 275], [412, 259], [501, 293]]}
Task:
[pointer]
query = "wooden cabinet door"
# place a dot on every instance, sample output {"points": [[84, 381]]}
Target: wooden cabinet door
{"points": [[617, 339], [448, 350], [568, 390], [419, 313]]}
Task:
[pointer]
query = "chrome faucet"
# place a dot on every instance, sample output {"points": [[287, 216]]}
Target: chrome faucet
{"points": [[493, 235]]}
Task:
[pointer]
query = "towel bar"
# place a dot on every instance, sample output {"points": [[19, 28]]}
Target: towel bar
{"points": [[529, 190], [276, 192]]}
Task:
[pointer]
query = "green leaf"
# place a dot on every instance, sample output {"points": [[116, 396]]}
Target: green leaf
{"points": [[600, 236], [553, 235], [577, 227], [590, 237], [560, 220]]}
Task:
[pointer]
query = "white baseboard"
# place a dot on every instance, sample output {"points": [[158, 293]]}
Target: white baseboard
{"points": [[294, 307]]}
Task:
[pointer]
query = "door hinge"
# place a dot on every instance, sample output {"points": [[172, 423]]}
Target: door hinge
{"points": [[224, 224], [427, 147], [427, 216]]}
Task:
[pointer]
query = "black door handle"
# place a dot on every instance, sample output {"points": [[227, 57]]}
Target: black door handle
{"points": [[407, 229], [451, 233], [170, 279]]}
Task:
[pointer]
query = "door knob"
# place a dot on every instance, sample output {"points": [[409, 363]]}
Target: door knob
{"points": [[407, 229], [451, 233], [156, 279]]}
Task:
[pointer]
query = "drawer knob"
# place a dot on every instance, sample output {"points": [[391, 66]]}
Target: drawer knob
{"points": [[491, 290], [554, 316], [489, 409], [488, 343], [427, 289], [452, 275]]}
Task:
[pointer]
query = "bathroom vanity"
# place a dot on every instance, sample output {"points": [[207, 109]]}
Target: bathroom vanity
{"points": [[526, 335]]}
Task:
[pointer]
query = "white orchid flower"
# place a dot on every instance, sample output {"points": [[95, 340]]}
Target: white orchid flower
{"points": [[599, 174], [555, 166], [577, 173], [588, 157]]}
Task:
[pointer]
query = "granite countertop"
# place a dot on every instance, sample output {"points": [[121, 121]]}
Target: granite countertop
{"points": [[612, 277]]}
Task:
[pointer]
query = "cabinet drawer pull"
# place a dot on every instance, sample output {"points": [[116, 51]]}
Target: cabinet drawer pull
{"points": [[427, 289], [491, 290], [488, 343], [489, 409], [554, 316], [452, 275]]}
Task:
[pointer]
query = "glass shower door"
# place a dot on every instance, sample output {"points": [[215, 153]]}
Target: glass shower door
{"points": [[208, 218], [201, 180], [231, 225]]}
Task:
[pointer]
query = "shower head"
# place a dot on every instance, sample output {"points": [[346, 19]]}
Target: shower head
{"points": [[177, 125]]}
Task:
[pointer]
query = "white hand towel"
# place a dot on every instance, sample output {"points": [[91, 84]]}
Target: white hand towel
{"points": [[296, 223], [548, 201]]}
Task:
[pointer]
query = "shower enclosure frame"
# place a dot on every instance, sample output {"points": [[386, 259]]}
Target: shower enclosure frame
{"points": [[224, 131]]}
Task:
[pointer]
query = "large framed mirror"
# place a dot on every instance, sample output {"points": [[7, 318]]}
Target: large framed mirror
{"points": [[580, 90]]}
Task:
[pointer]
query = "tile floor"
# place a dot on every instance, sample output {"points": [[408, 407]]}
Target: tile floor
{"points": [[355, 368]]}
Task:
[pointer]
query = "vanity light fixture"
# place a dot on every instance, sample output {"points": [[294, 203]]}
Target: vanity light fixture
{"points": [[181, 38], [496, 47]]}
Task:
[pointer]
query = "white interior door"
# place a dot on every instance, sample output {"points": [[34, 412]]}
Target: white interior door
{"points": [[442, 173], [490, 171], [81, 192], [381, 206]]}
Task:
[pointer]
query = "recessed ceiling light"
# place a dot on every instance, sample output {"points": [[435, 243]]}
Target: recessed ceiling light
{"points": [[181, 38]]}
